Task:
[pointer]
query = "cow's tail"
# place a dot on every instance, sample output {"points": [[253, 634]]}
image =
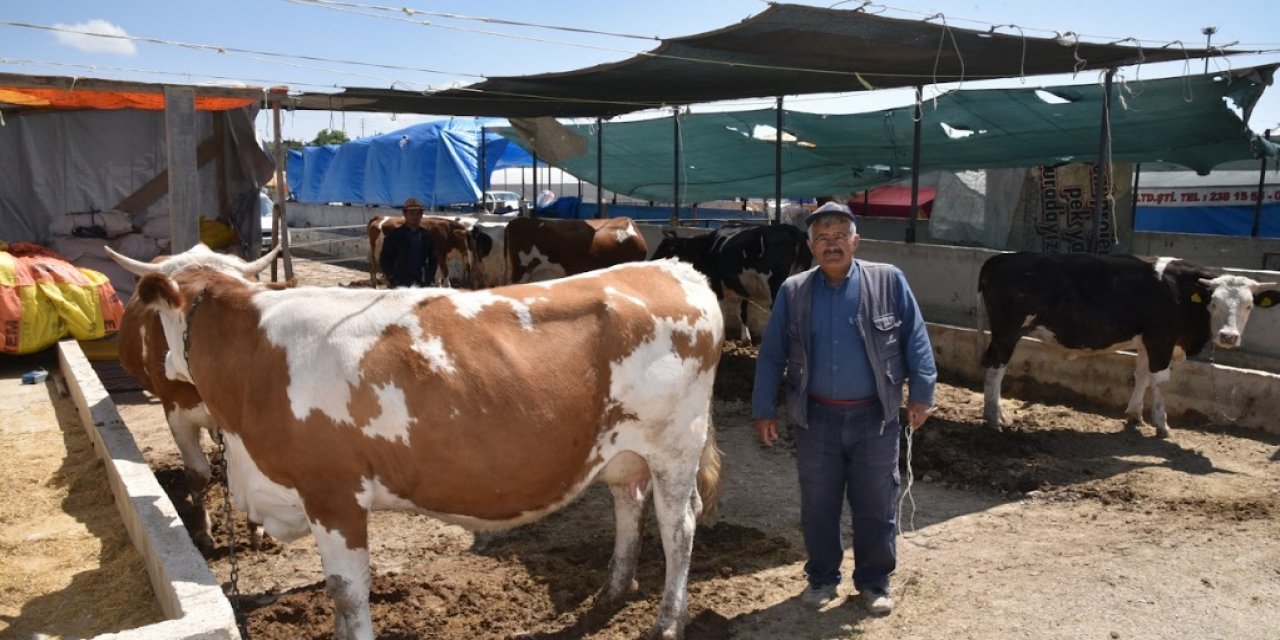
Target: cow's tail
{"points": [[709, 474]]}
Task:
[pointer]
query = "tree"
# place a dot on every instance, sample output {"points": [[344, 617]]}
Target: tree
{"points": [[270, 146], [329, 136]]}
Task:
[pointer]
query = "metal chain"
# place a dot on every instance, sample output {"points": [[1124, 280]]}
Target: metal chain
{"points": [[233, 584], [186, 330]]}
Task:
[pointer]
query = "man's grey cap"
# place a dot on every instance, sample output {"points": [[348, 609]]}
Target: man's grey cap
{"points": [[830, 209]]}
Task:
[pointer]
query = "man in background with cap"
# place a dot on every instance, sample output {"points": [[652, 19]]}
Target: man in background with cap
{"points": [[409, 256], [847, 334]]}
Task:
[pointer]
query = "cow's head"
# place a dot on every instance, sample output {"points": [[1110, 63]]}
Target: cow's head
{"points": [[161, 294], [1230, 300], [692, 249], [162, 291]]}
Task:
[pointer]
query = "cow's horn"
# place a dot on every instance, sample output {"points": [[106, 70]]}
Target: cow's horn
{"points": [[1263, 285], [136, 267], [258, 265]]}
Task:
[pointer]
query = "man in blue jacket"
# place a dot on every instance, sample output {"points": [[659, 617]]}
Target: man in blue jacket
{"points": [[409, 256], [847, 334]]}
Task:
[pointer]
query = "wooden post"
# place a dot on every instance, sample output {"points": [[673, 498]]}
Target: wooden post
{"points": [[184, 180], [220, 162], [777, 165], [279, 221]]}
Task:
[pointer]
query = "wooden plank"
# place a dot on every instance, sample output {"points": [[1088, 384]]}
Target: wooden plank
{"points": [[280, 224], [156, 188], [184, 179], [220, 155]]}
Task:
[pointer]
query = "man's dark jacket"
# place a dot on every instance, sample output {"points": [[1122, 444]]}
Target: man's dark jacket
{"points": [[397, 263]]}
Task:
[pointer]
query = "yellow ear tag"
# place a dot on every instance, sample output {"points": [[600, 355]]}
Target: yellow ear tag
{"points": [[1195, 297], [1266, 302]]}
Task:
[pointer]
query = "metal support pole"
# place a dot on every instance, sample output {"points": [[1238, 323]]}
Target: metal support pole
{"points": [[915, 166], [484, 174], [1262, 184], [1101, 181], [777, 165], [1133, 220], [599, 167], [675, 169], [534, 206], [1208, 38]]}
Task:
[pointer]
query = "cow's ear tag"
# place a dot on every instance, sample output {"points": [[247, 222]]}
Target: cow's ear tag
{"points": [[1195, 297], [1266, 301]]}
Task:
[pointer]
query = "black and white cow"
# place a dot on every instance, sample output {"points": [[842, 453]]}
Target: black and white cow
{"points": [[1165, 308], [746, 265], [488, 250]]}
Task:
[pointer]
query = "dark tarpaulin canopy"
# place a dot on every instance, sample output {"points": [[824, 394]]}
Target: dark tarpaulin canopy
{"points": [[785, 50]]}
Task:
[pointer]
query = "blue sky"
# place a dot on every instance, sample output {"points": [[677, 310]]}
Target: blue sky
{"points": [[465, 51]]}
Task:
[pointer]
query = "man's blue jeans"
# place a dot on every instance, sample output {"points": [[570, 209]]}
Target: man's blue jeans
{"points": [[845, 455]]}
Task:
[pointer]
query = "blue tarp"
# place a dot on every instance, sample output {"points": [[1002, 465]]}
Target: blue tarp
{"points": [[435, 162], [1221, 221]]}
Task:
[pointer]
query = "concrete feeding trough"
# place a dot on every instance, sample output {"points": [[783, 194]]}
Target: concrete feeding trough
{"points": [[188, 594]]}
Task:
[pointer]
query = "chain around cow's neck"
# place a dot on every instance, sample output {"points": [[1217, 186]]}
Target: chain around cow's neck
{"points": [[186, 331]]}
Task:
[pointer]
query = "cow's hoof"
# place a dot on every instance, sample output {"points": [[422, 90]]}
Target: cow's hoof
{"points": [[204, 543], [258, 539], [661, 633], [607, 604], [1133, 422], [1162, 432]]}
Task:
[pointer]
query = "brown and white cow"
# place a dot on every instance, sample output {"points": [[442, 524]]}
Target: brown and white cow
{"points": [[452, 241], [335, 402], [1165, 308], [142, 348], [545, 248]]}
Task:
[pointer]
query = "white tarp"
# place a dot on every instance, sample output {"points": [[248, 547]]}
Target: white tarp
{"points": [[56, 166]]}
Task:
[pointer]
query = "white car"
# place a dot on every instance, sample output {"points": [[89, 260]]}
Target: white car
{"points": [[500, 202]]}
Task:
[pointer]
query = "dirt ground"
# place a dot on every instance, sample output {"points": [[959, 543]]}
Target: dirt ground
{"points": [[1066, 526]]}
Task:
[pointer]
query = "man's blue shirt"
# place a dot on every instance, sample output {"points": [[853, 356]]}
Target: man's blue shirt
{"points": [[839, 368]]}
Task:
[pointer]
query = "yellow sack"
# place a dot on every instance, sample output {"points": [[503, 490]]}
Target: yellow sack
{"points": [[216, 234], [43, 299]]}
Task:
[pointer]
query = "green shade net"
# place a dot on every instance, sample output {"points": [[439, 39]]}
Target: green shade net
{"points": [[1185, 121]]}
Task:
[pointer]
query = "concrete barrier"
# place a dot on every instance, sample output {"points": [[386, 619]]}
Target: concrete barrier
{"points": [[1197, 392], [187, 591]]}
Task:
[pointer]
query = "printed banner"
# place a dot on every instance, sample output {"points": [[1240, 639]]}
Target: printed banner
{"points": [[1063, 216], [1225, 196]]}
